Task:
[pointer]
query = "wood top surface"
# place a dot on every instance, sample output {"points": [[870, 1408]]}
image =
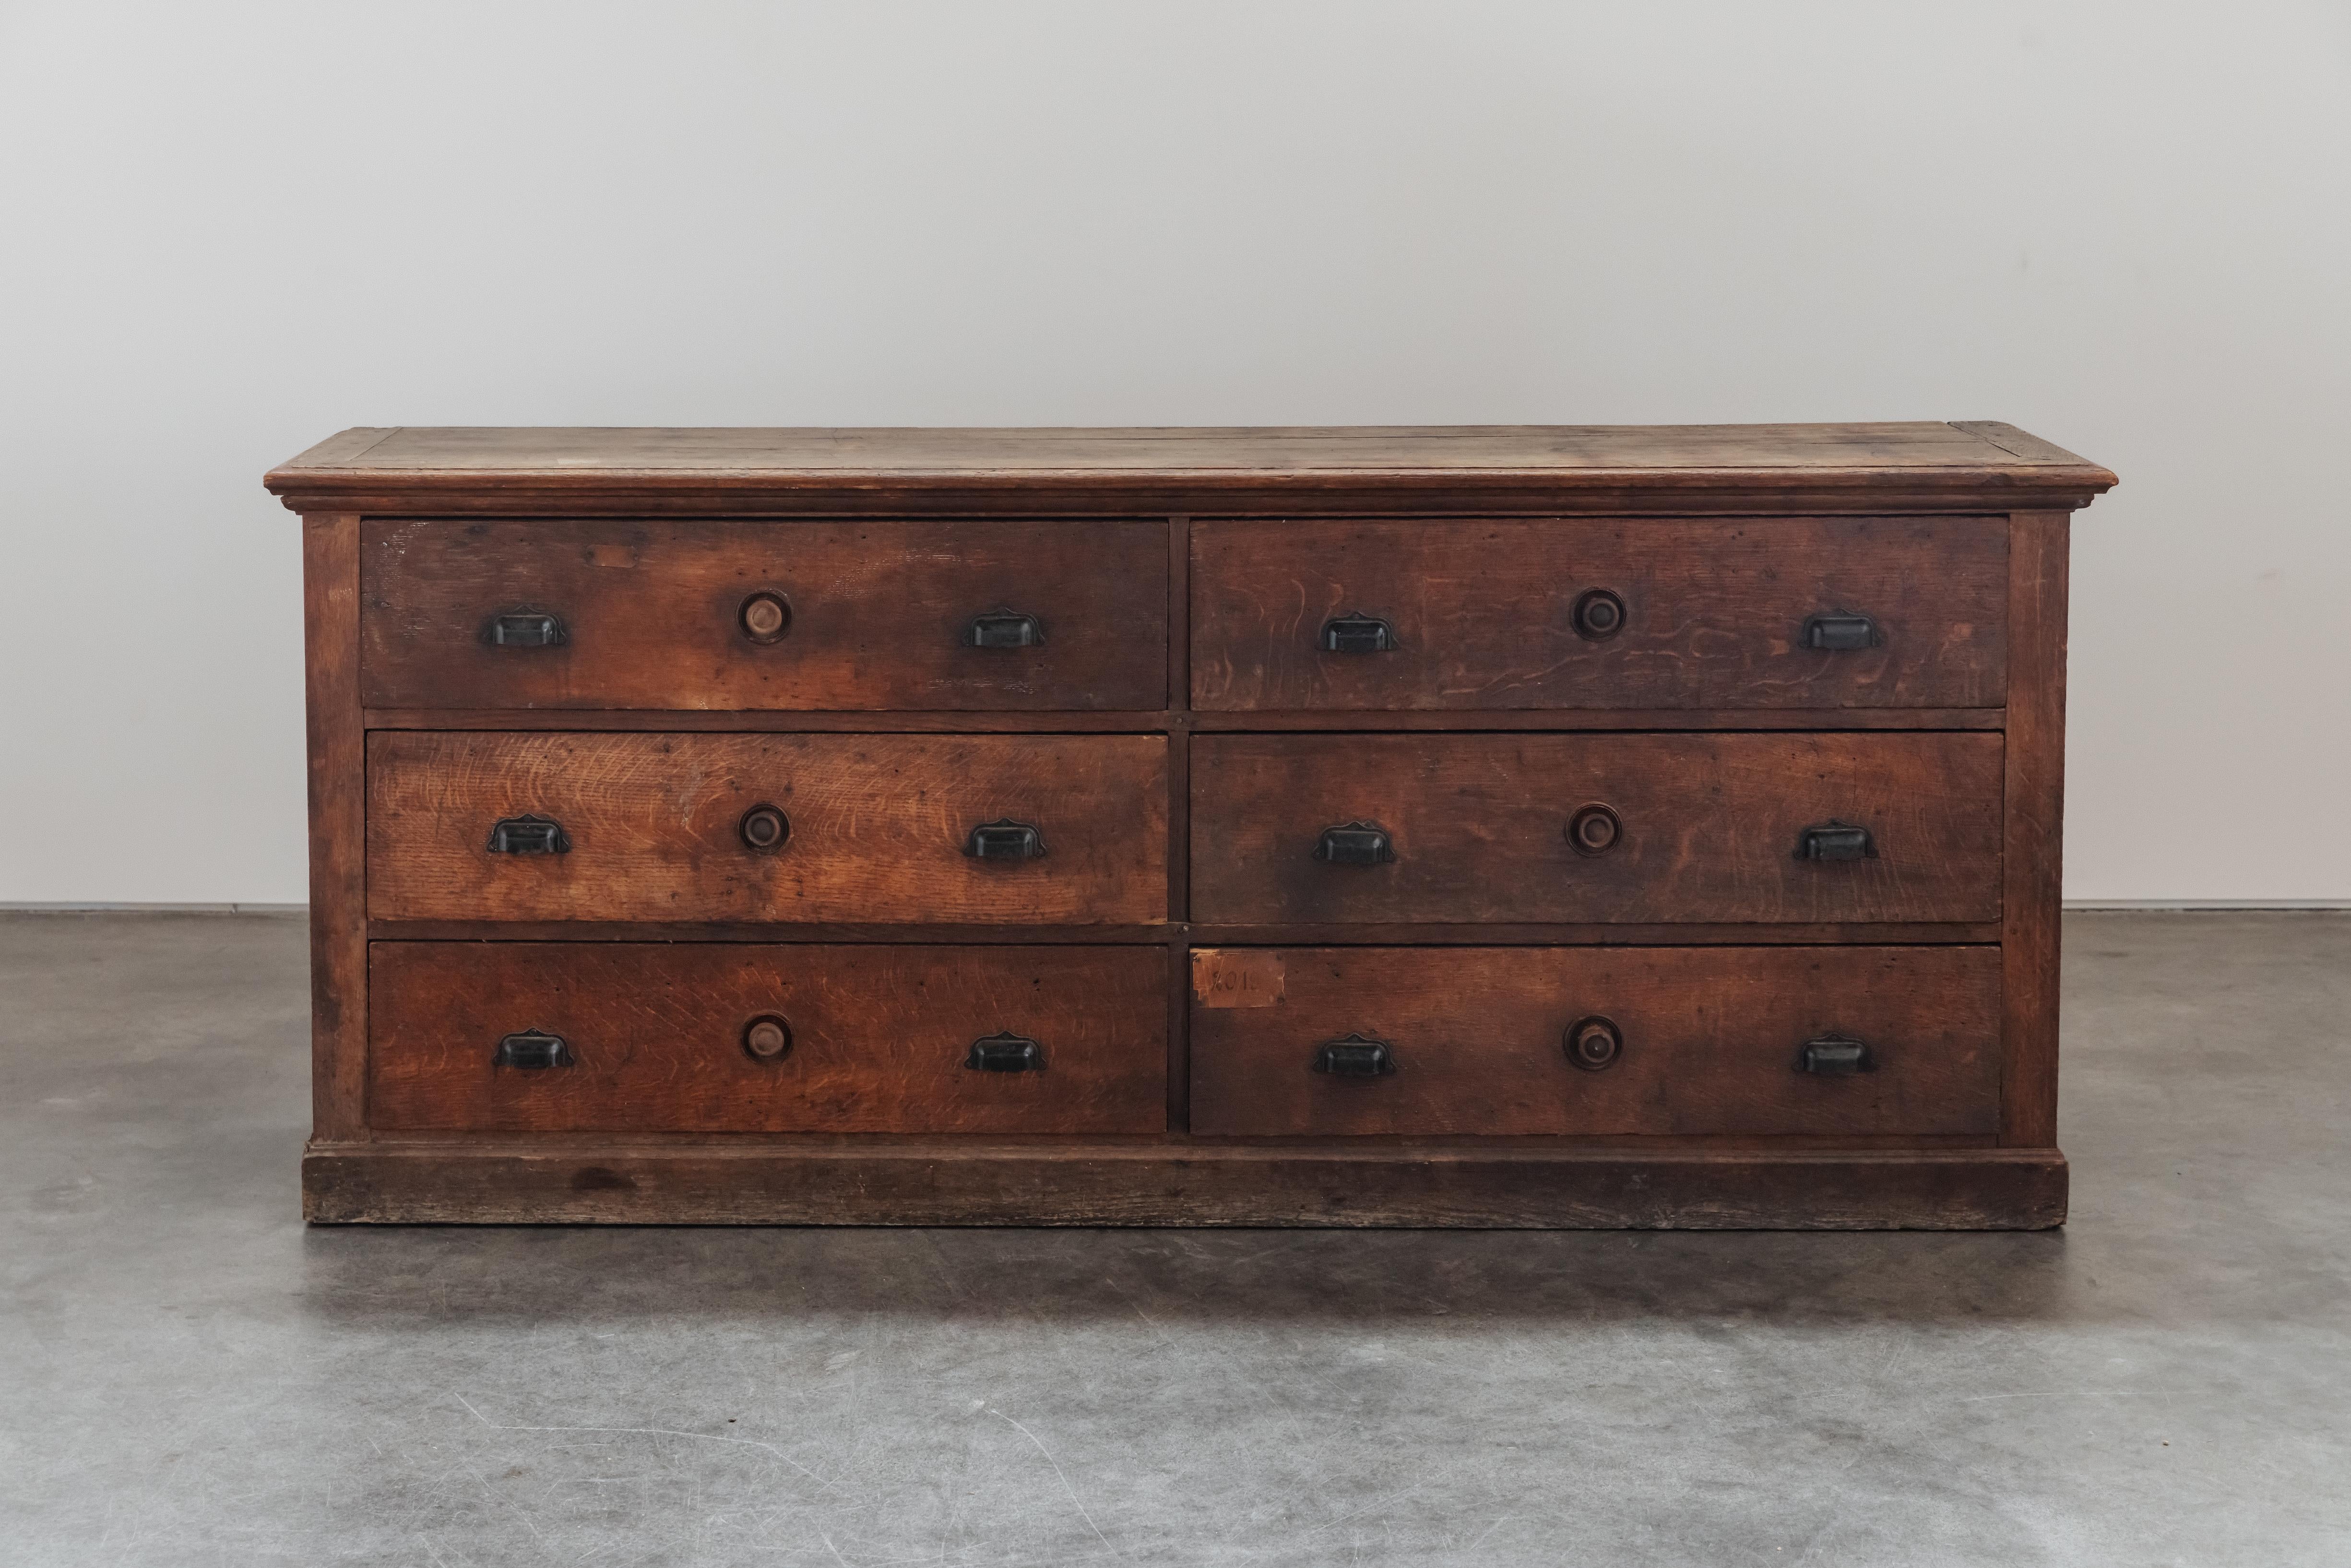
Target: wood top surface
{"points": [[1390, 467]]}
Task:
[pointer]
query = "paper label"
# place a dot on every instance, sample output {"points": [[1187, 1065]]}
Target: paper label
{"points": [[1236, 977]]}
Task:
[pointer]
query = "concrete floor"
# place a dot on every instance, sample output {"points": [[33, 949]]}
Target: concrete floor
{"points": [[189, 1377]]}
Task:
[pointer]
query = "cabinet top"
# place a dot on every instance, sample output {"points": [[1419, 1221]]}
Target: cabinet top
{"points": [[1976, 465]]}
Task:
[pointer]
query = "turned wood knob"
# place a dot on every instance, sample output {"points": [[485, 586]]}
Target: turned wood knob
{"points": [[764, 828], [766, 616], [1598, 614], [768, 1037], [1594, 831], [1594, 1043]]}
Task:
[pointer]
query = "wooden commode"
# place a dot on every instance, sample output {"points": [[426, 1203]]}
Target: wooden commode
{"points": [[1484, 826]]}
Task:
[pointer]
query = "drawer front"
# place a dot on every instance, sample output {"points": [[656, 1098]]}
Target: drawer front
{"points": [[865, 827], [1696, 1041], [1705, 828], [877, 615], [1606, 614], [659, 1037]]}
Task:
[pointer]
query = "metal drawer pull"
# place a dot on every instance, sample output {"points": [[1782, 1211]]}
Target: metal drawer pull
{"points": [[1005, 840], [768, 1036], [530, 835], [1835, 840], [1005, 629], [1355, 1057], [1598, 615], [1356, 843], [1842, 634], [1594, 1043], [533, 1050], [1005, 1052], [525, 629], [1835, 1056], [1356, 632]]}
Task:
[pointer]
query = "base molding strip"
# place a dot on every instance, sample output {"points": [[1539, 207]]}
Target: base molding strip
{"points": [[1158, 1184]]}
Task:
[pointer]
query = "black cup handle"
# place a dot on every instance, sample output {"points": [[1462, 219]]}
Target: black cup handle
{"points": [[525, 629], [1005, 840], [1356, 1056], [1835, 840], [1356, 632], [1002, 628], [530, 835], [1005, 1052], [532, 1050], [1842, 634], [1356, 843], [1833, 1056]]}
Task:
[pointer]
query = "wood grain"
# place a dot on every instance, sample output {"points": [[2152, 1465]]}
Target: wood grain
{"points": [[1710, 826], [1710, 1038], [1714, 613], [880, 614], [1070, 1182], [1657, 934], [1181, 744], [1660, 454], [2023, 446], [1179, 817], [2035, 814], [968, 722], [1489, 933], [1916, 466], [879, 1036], [878, 827], [337, 777]]}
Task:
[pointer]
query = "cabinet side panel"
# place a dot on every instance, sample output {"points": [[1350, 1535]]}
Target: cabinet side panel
{"points": [[1179, 821], [2035, 825], [330, 607]]}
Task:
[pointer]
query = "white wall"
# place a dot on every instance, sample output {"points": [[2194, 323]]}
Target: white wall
{"points": [[228, 230]]}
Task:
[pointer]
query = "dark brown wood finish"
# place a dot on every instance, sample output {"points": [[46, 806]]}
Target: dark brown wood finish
{"points": [[1487, 934], [650, 723], [878, 1037], [1706, 614], [1709, 1040], [1709, 826], [880, 614], [2035, 812], [1094, 1182], [878, 827], [1502, 932], [338, 995], [1179, 820], [1629, 720]]}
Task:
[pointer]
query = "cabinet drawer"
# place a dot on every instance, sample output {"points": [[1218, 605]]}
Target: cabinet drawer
{"points": [[658, 1037], [1709, 827], [865, 827], [1704, 1041], [876, 615], [1606, 614]]}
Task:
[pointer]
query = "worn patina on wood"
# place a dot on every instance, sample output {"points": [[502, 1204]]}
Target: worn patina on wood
{"points": [[1490, 826]]}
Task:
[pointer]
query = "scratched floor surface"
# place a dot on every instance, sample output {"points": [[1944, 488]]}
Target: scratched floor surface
{"points": [[190, 1378]]}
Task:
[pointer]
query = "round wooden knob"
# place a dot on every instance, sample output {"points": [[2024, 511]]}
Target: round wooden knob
{"points": [[1599, 613], [1594, 831], [1594, 1043], [765, 829], [765, 617], [766, 1037]]}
